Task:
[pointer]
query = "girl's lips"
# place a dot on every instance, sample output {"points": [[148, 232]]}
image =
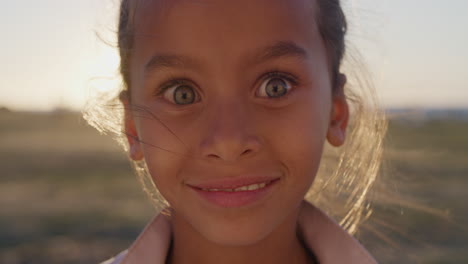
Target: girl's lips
{"points": [[230, 199]]}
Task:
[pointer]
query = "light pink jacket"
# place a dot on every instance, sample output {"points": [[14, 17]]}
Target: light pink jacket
{"points": [[330, 243]]}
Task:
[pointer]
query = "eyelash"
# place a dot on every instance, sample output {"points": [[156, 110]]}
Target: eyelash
{"points": [[171, 83], [267, 76]]}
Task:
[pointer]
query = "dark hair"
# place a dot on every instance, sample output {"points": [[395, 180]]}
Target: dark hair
{"points": [[332, 26], [125, 40]]}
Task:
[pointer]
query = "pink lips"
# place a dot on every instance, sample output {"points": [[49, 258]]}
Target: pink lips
{"points": [[236, 198]]}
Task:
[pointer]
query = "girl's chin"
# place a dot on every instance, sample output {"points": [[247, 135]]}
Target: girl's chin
{"points": [[236, 238], [223, 230], [240, 231]]}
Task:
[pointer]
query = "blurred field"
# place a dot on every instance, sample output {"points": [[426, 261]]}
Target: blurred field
{"points": [[68, 195]]}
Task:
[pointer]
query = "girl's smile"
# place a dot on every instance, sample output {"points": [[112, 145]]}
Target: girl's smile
{"points": [[240, 93], [236, 191]]}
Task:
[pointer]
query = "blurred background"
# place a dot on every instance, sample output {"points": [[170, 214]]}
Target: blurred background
{"points": [[68, 194]]}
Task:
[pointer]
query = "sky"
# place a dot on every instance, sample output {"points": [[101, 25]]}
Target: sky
{"points": [[415, 50]]}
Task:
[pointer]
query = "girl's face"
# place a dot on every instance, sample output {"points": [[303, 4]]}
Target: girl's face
{"points": [[240, 93]]}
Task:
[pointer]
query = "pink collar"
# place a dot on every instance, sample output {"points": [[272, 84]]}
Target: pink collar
{"points": [[330, 243]]}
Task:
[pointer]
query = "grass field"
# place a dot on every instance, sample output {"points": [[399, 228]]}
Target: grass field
{"points": [[68, 195]]}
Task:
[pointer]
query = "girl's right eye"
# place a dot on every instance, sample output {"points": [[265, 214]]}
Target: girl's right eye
{"points": [[178, 92]]}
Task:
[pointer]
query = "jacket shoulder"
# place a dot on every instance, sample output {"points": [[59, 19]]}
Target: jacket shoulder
{"points": [[117, 259]]}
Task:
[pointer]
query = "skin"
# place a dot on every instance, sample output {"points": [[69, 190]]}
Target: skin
{"points": [[233, 127]]}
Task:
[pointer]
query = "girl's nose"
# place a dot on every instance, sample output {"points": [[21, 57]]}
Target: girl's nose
{"points": [[229, 134]]}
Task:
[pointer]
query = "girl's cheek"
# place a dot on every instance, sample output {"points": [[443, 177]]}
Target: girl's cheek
{"points": [[164, 154]]}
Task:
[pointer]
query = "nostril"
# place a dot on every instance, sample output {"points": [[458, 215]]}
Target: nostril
{"points": [[246, 151], [213, 156]]}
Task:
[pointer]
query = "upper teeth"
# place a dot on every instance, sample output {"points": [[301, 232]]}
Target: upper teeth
{"points": [[243, 188]]}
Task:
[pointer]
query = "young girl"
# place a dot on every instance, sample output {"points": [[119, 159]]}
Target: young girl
{"points": [[228, 106]]}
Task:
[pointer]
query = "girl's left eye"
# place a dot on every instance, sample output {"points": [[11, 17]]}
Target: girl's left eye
{"points": [[275, 85]]}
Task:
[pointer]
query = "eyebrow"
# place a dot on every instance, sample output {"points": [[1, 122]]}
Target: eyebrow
{"points": [[278, 50], [169, 61]]}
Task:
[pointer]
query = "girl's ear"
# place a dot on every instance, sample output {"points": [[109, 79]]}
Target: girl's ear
{"points": [[339, 115], [131, 133]]}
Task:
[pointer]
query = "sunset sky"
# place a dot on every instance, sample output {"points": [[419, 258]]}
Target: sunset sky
{"points": [[416, 50]]}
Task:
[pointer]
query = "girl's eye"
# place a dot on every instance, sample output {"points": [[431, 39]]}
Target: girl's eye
{"points": [[275, 86], [178, 93]]}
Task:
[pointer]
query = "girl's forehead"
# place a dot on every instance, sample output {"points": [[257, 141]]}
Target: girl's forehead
{"points": [[157, 12], [222, 30]]}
